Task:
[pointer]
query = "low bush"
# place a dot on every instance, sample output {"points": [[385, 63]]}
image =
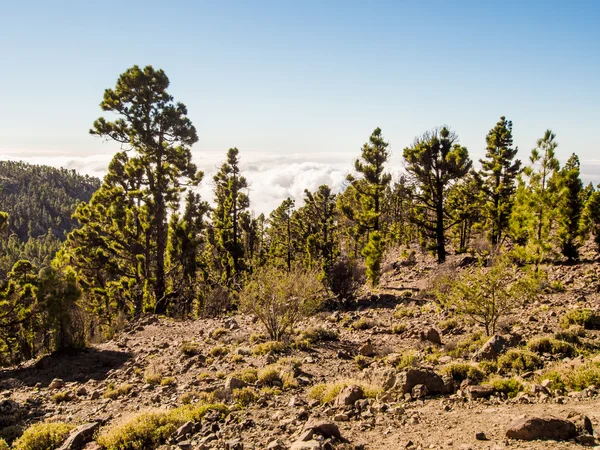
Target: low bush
{"points": [[4, 445], [362, 362], [509, 386], [62, 397], [189, 349], [217, 333], [576, 378], [280, 299], [152, 429], [584, 317], [269, 376], [462, 371], [466, 346], [245, 396], [399, 328], [248, 375], [550, 345], [363, 323], [326, 393], [573, 335], [218, 350], [113, 392], [319, 334], [518, 361], [269, 347], [168, 381], [43, 436]]}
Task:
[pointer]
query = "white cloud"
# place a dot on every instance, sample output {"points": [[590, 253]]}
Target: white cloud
{"points": [[271, 177]]}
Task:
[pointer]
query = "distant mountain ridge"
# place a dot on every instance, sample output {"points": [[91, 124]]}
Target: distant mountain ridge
{"points": [[42, 198]]}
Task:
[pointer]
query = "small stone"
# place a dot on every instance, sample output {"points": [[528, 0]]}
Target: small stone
{"points": [[481, 436], [57, 383], [367, 350]]}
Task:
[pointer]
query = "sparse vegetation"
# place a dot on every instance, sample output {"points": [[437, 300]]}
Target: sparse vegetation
{"points": [[280, 299], [269, 347], [113, 392], [586, 318], [508, 386], [189, 348], [326, 393], [550, 345], [462, 371], [43, 436], [518, 361], [152, 429]]}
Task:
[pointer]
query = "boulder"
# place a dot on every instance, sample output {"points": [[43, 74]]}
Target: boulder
{"points": [[546, 427], [306, 445], [431, 335], [582, 423], [367, 350], [57, 383], [348, 395], [325, 429], [419, 391], [408, 379], [80, 436], [475, 392], [232, 383], [495, 346]]}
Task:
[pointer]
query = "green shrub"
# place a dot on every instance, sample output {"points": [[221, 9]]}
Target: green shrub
{"points": [[152, 429], [466, 346], [269, 347], [280, 299], [516, 360], [509, 386], [61, 397], [574, 378], [113, 392], [189, 349], [248, 375], [586, 318], [407, 359], [326, 393], [402, 312], [269, 376], [168, 381], [217, 333], [319, 334], [362, 362], [448, 324], [573, 335], [363, 323], [399, 328], [550, 345], [488, 367], [218, 350], [43, 436], [244, 396], [462, 371]]}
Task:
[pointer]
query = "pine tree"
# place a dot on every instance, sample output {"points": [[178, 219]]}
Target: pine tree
{"points": [[591, 218], [282, 239], [436, 160], [534, 210], [499, 173], [370, 188], [320, 235], [466, 203], [569, 208], [159, 134], [231, 203]]}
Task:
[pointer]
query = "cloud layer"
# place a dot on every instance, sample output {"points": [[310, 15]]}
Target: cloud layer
{"points": [[272, 178]]}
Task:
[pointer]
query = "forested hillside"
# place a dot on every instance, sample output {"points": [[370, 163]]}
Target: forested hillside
{"points": [[41, 198]]}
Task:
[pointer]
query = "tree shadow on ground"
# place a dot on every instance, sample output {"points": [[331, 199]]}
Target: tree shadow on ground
{"points": [[73, 365]]}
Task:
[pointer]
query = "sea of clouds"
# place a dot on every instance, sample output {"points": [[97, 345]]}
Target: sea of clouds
{"points": [[271, 177]]}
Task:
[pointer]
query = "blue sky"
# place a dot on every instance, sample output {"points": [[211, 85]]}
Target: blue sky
{"points": [[305, 80]]}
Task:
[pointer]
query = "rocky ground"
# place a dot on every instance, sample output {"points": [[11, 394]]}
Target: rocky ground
{"points": [[384, 364]]}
